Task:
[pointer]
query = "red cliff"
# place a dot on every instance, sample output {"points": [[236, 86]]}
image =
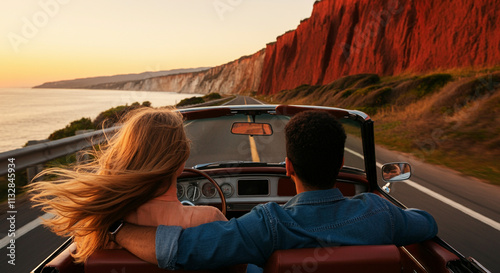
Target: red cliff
{"points": [[345, 37]]}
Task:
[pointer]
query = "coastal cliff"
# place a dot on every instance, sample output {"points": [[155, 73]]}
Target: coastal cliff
{"points": [[232, 78], [347, 37], [86, 82]]}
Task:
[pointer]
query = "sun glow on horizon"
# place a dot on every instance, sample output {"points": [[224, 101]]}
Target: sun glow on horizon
{"points": [[53, 40]]}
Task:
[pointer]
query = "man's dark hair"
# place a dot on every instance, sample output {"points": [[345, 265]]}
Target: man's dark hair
{"points": [[315, 145], [389, 168]]}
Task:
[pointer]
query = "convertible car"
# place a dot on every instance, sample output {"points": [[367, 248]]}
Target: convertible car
{"points": [[237, 162]]}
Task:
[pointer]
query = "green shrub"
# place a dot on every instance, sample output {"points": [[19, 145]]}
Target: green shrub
{"points": [[382, 96], [347, 93], [212, 96], [69, 130], [109, 117], [429, 84], [113, 115], [356, 81], [367, 90], [190, 101]]}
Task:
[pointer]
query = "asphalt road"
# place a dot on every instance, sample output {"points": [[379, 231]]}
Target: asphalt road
{"points": [[467, 210], [206, 140], [472, 226]]}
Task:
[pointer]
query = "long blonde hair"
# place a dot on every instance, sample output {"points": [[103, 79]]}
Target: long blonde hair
{"points": [[138, 164]]}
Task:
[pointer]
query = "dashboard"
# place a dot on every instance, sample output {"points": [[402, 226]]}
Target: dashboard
{"points": [[244, 191], [241, 193]]}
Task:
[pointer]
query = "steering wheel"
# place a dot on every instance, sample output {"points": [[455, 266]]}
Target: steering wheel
{"points": [[221, 194]]}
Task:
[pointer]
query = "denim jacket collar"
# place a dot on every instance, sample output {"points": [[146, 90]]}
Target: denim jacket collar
{"points": [[315, 197]]}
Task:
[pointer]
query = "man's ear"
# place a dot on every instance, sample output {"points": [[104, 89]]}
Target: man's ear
{"points": [[289, 167]]}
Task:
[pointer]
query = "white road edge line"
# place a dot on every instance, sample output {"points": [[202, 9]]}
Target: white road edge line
{"points": [[229, 101], [24, 229], [466, 210], [258, 101]]}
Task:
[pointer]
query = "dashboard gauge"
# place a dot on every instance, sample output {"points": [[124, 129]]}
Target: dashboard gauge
{"points": [[180, 191], [227, 189], [208, 190], [193, 193]]}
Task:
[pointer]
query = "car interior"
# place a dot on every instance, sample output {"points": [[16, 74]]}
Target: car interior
{"points": [[235, 187]]}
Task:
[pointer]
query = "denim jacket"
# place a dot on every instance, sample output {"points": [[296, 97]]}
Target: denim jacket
{"points": [[310, 219]]}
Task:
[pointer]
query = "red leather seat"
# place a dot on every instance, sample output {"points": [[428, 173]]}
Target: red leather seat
{"points": [[119, 261], [369, 259]]}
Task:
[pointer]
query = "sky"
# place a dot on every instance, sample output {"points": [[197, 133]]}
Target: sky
{"points": [[52, 40]]}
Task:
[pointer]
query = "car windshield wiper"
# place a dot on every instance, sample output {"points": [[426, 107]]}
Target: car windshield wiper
{"points": [[233, 164]]}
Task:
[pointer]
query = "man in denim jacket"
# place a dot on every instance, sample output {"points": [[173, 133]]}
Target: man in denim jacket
{"points": [[317, 216]]}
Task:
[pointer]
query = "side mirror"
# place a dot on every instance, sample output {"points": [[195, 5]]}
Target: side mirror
{"points": [[252, 128], [395, 172]]}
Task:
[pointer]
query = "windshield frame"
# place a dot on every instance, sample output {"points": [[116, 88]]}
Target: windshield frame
{"points": [[364, 121]]}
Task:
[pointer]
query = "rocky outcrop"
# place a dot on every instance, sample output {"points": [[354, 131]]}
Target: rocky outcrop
{"points": [[232, 78], [346, 37]]}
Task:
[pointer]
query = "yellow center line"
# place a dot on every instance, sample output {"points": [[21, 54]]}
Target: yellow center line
{"points": [[253, 147]]}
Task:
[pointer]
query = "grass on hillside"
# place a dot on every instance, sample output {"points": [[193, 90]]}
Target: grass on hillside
{"points": [[450, 118]]}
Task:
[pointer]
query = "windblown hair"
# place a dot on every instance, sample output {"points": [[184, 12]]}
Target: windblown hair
{"points": [[139, 163], [315, 143]]}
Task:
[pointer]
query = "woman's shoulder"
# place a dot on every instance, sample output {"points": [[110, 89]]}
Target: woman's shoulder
{"points": [[205, 214]]}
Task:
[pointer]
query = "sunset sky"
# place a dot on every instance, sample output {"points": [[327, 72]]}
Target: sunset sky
{"points": [[51, 40]]}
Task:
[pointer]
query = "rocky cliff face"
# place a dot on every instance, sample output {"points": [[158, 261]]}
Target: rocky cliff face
{"points": [[232, 78], [346, 37]]}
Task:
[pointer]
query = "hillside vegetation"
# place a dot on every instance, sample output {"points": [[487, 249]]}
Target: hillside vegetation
{"points": [[451, 118]]}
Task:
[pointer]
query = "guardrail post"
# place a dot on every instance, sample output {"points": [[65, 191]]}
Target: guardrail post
{"points": [[82, 156], [32, 171]]}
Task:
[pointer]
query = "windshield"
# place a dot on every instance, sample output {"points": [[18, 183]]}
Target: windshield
{"points": [[212, 141]]}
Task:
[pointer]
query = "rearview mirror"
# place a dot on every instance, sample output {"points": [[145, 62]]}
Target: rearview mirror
{"points": [[252, 128], [394, 172]]}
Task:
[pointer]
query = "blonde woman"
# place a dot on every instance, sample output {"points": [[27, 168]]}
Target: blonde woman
{"points": [[134, 177]]}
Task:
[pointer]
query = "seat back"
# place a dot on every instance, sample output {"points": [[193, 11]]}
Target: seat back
{"points": [[360, 259], [120, 260]]}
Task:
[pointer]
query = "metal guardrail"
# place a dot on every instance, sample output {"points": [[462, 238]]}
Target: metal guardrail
{"points": [[43, 152]]}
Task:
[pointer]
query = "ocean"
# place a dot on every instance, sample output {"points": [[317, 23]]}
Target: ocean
{"points": [[33, 114]]}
